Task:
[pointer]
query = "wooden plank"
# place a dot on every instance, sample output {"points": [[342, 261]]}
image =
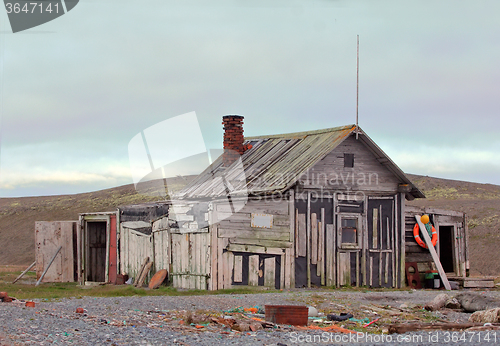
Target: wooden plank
{"points": [[220, 261], [321, 248], [282, 271], [330, 279], [254, 249], [252, 233], [297, 238], [144, 274], [393, 234], [195, 265], [258, 206], [286, 260], [314, 238], [144, 263], [238, 268], [302, 245], [24, 272], [344, 259], [364, 242], [386, 277], [318, 263], [228, 269], [204, 258], [400, 243], [269, 272], [434, 255], [214, 256], [381, 229], [467, 243], [79, 250], [253, 270], [479, 283], [175, 259], [375, 229], [371, 270], [184, 254], [308, 240], [263, 243], [380, 254]]}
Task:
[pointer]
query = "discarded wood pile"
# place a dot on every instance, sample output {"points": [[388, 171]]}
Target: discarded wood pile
{"points": [[402, 328], [486, 314]]}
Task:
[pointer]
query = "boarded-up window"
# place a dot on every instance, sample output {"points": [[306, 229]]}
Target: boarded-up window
{"points": [[349, 160]]}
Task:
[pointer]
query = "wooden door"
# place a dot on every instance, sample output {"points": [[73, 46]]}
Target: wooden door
{"points": [[380, 243], [96, 251], [349, 248]]}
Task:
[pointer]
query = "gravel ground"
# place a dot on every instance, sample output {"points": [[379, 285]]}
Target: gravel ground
{"points": [[155, 320]]}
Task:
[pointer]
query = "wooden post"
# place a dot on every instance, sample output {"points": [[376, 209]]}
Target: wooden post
{"points": [[434, 255], [400, 244], [308, 240], [24, 272], [321, 248], [46, 269]]}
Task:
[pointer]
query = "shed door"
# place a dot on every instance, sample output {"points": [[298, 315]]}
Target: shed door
{"points": [[96, 251], [380, 270]]}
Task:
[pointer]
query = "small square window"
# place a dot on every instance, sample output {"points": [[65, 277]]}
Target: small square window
{"points": [[349, 160], [349, 231]]}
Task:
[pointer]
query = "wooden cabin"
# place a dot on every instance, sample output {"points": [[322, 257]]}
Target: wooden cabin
{"points": [[308, 209], [318, 208]]}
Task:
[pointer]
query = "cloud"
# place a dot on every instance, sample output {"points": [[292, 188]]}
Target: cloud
{"points": [[75, 98]]}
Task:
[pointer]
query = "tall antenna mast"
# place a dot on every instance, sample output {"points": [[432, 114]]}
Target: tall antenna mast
{"points": [[357, 87]]}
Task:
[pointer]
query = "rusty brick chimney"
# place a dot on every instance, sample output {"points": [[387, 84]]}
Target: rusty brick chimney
{"points": [[233, 139]]}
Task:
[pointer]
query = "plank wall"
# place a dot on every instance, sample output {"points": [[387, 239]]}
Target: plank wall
{"points": [[48, 237], [255, 256], [368, 174]]}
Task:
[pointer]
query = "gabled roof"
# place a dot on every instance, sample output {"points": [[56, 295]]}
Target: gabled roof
{"points": [[275, 162]]}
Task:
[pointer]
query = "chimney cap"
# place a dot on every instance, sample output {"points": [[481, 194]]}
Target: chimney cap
{"points": [[233, 116]]}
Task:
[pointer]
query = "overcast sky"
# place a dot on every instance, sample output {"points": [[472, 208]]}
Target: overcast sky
{"points": [[76, 90]]}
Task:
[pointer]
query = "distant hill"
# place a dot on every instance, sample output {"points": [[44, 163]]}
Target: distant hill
{"points": [[18, 215]]}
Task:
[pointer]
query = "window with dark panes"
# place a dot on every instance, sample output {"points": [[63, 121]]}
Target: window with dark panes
{"points": [[349, 230], [349, 160]]}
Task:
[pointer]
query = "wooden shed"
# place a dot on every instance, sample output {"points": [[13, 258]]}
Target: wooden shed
{"points": [[452, 244], [318, 208]]}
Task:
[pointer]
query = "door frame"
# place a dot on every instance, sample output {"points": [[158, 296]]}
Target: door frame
{"points": [[83, 251], [454, 254]]}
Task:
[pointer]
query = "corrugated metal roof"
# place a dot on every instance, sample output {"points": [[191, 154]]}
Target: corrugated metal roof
{"points": [[274, 164]]}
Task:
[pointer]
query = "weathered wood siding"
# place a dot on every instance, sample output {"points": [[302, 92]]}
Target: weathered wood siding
{"points": [[190, 259], [48, 237], [368, 174], [161, 239], [134, 248], [249, 255]]}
